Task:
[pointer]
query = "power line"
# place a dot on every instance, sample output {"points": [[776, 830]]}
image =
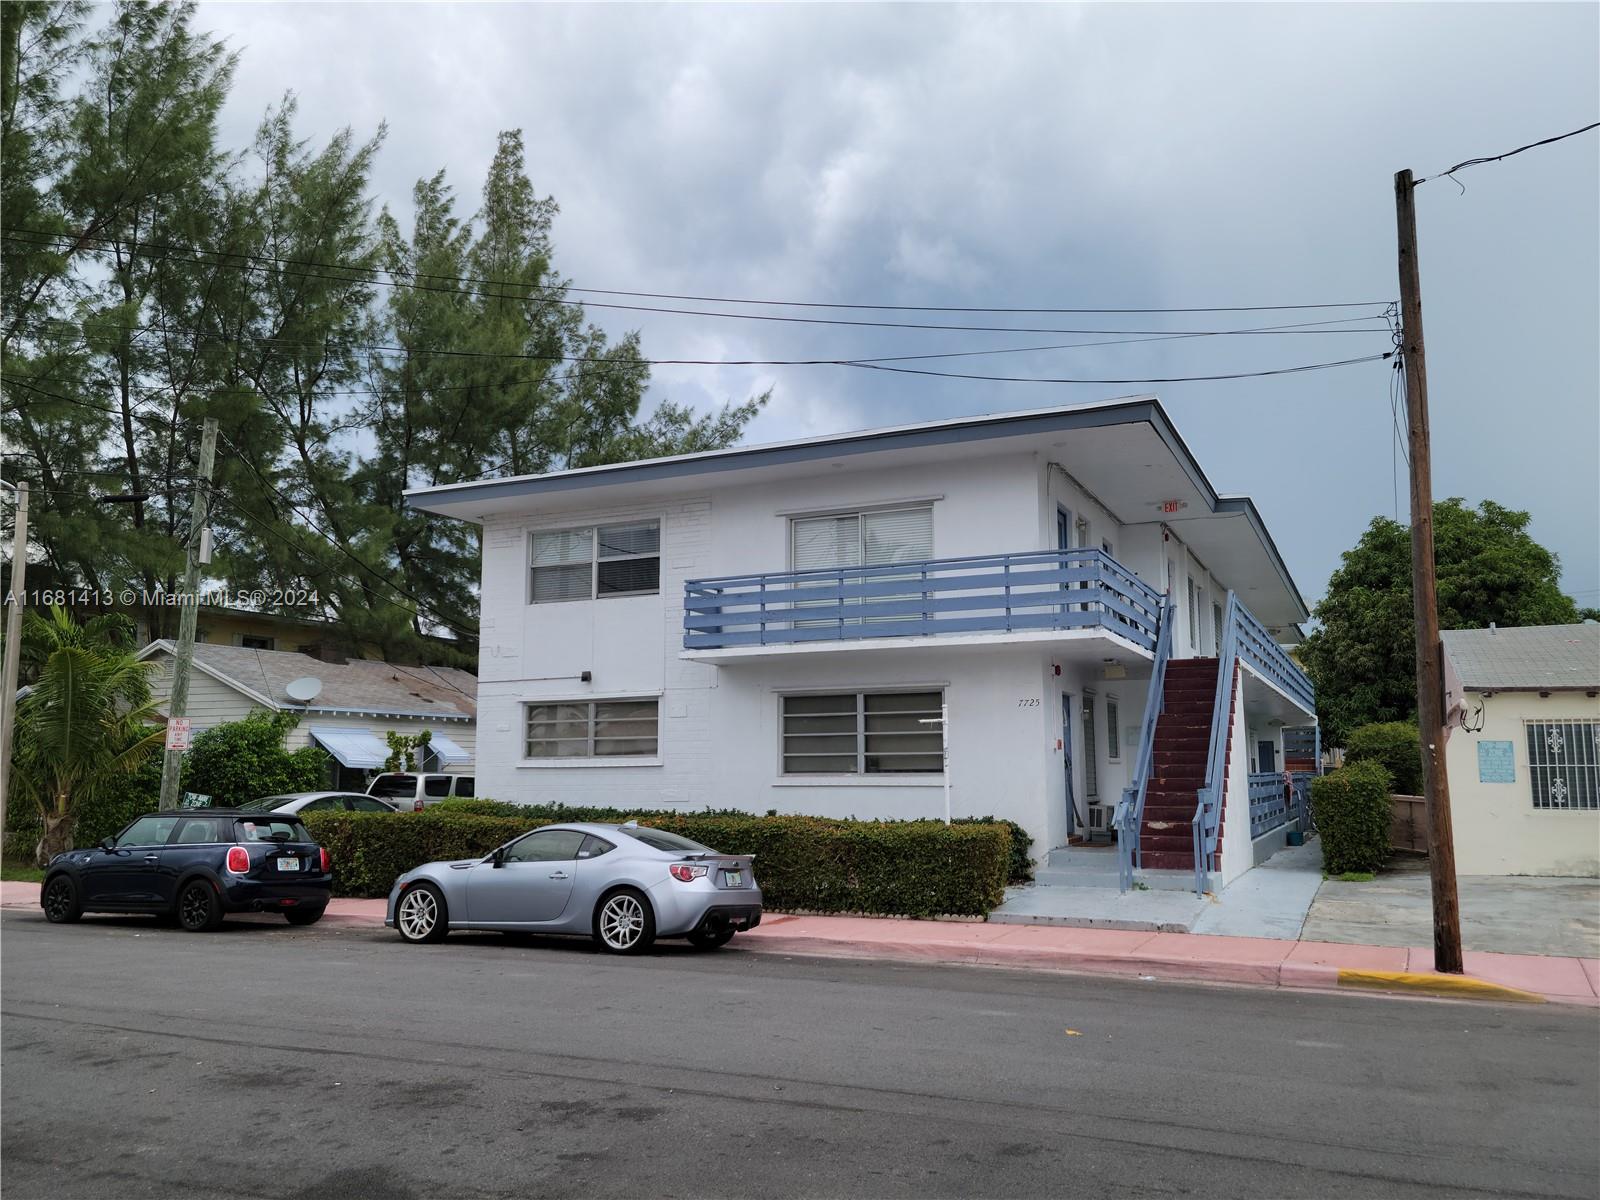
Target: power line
{"points": [[690, 298], [1473, 162], [1344, 362]]}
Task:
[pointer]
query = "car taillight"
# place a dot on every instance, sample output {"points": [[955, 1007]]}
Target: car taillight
{"points": [[238, 860], [417, 807], [327, 862], [685, 872]]}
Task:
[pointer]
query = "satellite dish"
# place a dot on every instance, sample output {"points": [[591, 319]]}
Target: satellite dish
{"points": [[305, 689]]}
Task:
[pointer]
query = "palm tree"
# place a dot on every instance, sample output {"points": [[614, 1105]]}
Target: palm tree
{"points": [[88, 719]]}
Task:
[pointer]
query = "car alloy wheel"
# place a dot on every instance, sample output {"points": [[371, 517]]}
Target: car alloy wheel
{"points": [[420, 915], [625, 925], [198, 909], [61, 901]]}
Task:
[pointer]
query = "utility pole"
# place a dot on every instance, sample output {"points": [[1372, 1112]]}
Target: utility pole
{"points": [[13, 654], [188, 612], [1430, 675]]}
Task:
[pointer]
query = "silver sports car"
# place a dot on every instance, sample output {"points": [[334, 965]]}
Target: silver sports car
{"points": [[624, 885]]}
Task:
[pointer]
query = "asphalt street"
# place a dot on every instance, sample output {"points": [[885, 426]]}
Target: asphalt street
{"points": [[264, 1061]]}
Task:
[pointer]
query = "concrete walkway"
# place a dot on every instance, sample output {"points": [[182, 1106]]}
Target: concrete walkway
{"points": [[1271, 962]]}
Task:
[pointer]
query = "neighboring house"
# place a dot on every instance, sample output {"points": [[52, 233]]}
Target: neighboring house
{"points": [[221, 625], [1523, 750], [356, 703], [783, 626]]}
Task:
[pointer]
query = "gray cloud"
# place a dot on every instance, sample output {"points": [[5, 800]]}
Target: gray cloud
{"points": [[1108, 155]]}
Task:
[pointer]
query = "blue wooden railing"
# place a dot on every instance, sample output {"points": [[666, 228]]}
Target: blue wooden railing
{"points": [[1036, 590], [1128, 820], [1269, 806], [1244, 639]]}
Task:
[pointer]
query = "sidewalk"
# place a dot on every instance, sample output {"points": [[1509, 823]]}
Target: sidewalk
{"points": [[1270, 962]]}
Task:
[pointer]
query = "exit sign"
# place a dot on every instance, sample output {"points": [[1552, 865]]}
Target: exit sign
{"points": [[1172, 506]]}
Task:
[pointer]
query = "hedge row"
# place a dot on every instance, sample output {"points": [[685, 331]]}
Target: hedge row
{"points": [[1351, 807], [909, 868], [1394, 744], [1019, 869]]}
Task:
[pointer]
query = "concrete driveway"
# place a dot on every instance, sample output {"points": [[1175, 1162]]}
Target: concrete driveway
{"points": [[1506, 914]]}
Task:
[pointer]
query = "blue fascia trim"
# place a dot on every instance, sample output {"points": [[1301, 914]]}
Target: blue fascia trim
{"points": [[376, 712], [961, 430]]}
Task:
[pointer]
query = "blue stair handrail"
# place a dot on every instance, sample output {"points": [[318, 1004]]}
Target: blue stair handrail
{"points": [[1208, 811], [1128, 820]]}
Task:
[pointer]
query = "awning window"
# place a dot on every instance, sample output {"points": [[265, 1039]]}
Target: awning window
{"points": [[357, 748], [448, 751]]}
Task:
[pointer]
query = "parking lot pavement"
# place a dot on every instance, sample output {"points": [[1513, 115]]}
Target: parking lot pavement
{"points": [[267, 1061], [1500, 914]]}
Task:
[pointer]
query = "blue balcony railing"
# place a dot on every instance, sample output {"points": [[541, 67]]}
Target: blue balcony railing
{"points": [[998, 593], [1269, 801]]}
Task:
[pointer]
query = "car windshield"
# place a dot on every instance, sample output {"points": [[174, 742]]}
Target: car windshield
{"points": [[658, 839], [394, 785], [276, 829]]}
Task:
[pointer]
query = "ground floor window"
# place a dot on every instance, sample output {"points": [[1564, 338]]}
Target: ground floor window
{"points": [[592, 729], [1091, 750], [1564, 763], [862, 733]]}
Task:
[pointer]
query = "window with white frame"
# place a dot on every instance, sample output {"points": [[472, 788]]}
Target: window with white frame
{"points": [[592, 729], [1194, 615], [1564, 764], [861, 539], [1113, 730], [595, 561], [863, 733], [1216, 627]]}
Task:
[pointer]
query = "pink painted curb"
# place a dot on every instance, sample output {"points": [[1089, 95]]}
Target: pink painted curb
{"points": [[1192, 957]]}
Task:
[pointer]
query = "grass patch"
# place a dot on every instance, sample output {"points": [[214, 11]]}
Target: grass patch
{"points": [[1354, 877], [13, 871]]}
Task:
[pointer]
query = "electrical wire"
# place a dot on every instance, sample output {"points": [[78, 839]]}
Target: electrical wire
{"points": [[69, 239], [1473, 162], [1323, 366]]}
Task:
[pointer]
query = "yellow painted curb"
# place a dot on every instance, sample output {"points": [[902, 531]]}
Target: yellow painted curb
{"points": [[1463, 987]]}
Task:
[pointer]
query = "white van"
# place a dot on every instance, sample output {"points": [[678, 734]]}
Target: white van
{"points": [[417, 790]]}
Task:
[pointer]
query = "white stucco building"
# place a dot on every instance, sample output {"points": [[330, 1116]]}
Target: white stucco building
{"points": [[1523, 751], [782, 627]]}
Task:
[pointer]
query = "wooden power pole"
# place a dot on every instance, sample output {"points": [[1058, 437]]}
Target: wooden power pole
{"points": [[1430, 673], [188, 614], [13, 651]]}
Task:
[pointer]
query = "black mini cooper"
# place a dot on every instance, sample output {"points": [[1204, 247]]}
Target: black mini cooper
{"points": [[194, 866]]}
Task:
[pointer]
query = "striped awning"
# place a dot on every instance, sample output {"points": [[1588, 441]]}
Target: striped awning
{"points": [[447, 750], [358, 748]]}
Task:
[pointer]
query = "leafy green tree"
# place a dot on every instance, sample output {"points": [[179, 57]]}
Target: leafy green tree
{"points": [[406, 749], [87, 723], [153, 276], [245, 760], [1362, 657]]}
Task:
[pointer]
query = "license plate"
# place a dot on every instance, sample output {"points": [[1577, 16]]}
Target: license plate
{"points": [[734, 878], [288, 864]]}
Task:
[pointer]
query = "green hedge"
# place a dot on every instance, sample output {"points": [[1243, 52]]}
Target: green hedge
{"points": [[1019, 869], [1396, 746], [910, 868], [1351, 806]]}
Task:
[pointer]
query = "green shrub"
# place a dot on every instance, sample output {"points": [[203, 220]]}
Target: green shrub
{"points": [[911, 868], [244, 760], [1019, 868], [1351, 806], [1396, 745]]}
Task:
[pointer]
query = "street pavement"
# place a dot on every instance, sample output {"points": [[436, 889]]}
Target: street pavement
{"points": [[266, 1061]]}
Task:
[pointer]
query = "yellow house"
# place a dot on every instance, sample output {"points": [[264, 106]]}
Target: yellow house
{"points": [[1523, 749]]}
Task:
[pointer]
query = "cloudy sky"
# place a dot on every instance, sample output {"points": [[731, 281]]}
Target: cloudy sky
{"points": [[1110, 156]]}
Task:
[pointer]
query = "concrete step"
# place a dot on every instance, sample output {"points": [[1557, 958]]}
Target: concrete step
{"points": [[1156, 880]]}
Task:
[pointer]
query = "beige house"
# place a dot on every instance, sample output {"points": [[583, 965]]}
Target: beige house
{"points": [[346, 708], [1523, 750]]}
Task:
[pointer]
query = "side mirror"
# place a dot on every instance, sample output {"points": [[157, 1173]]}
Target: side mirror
{"points": [[498, 858], [108, 844]]}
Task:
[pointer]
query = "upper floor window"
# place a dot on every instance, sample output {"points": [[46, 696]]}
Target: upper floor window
{"points": [[255, 641], [862, 539], [595, 562]]}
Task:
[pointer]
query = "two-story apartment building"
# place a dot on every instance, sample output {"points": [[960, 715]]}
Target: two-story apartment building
{"points": [[804, 627]]}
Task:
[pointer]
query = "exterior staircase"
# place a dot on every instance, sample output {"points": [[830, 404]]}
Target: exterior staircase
{"points": [[1178, 767]]}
